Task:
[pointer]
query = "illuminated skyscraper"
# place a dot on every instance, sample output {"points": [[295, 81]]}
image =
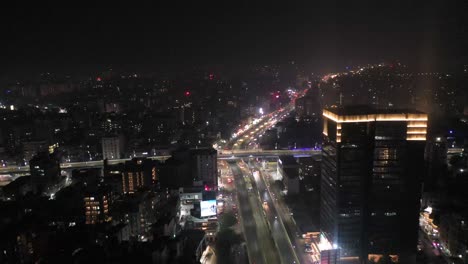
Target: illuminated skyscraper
{"points": [[372, 166]]}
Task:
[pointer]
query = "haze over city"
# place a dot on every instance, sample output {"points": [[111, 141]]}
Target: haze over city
{"points": [[328, 132]]}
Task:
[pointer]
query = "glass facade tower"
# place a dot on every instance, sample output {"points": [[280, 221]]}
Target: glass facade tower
{"points": [[372, 167]]}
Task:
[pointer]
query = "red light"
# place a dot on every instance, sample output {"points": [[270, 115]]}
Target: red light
{"points": [[99, 79], [277, 96], [211, 76], [187, 93]]}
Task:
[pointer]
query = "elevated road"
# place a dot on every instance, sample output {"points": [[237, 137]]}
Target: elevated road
{"points": [[225, 154]]}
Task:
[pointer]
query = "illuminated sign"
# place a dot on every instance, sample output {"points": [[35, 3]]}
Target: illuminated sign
{"points": [[208, 208]]}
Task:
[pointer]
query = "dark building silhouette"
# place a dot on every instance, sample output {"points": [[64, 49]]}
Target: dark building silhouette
{"points": [[308, 107], [372, 167], [288, 168], [91, 177], [190, 167], [45, 171]]}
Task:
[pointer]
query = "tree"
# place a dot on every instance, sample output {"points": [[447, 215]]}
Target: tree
{"points": [[225, 240], [227, 220]]}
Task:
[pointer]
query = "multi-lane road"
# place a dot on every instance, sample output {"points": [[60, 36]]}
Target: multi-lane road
{"points": [[260, 246], [266, 237], [286, 216], [247, 137], [273, 217]]}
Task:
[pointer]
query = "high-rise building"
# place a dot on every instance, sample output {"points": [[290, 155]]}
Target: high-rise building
{"points": [[436, 161], [372, 167], [111, 147], [308, 107], [45, 171], [205, 167], [288, 168]]}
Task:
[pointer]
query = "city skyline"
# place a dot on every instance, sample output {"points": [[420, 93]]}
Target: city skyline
{"points": [[232, 133]]}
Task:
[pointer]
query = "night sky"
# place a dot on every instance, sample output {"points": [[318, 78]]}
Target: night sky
{"points": [[327, 36]]}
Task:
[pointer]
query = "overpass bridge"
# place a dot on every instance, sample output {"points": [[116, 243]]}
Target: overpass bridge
{"points": [[223, 154]]}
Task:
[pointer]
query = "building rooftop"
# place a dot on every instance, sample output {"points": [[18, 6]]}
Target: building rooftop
{"points": [[416, 121], [368, 110], [369, 114]]}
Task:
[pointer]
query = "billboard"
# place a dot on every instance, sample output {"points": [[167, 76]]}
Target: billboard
{"points": [[208, 208]]}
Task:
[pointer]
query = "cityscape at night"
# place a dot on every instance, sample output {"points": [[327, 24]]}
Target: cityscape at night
{"points": [[330, 132]]}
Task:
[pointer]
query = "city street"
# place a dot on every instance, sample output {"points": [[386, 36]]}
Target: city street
{"points": [[432, 253]]}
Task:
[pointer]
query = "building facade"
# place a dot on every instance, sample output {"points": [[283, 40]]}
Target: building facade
{"points": [[96, 205], [138, 173], [372, 167], [111, 147], [288, 168], [132, 176], [204, 163]]}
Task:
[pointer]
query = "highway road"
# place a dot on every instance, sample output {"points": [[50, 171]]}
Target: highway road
{"points": [[277, 229], [260, 246], [248, 136], [288, 220]]}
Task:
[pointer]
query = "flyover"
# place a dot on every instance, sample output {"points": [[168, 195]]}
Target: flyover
{"points": [[224, 154]]}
